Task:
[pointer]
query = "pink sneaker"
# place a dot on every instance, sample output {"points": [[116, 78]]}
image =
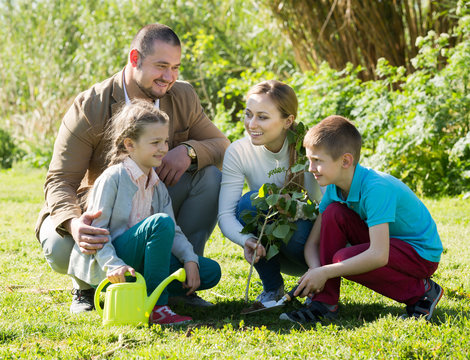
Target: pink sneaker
{"points": [[162, 314]]}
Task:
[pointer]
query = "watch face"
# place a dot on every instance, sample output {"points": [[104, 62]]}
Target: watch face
{"points": [[191, 152]]}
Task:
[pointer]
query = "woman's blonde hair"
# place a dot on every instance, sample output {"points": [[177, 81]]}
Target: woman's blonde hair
{"points": [[285, 99], [130, 123]]}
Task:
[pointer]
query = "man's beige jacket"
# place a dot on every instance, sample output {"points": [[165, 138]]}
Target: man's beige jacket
{"points": [[80, 150]]}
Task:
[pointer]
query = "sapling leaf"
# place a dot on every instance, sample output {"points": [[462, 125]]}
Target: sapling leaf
{"points": [[296, 195], [281, 231], [293, 208], [298, 167], [263, 191], [272, 199], [289, 236], [272, 251], [291, 137]]}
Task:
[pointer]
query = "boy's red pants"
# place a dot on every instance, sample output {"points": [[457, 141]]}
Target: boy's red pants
{"points": [[401, 279]]}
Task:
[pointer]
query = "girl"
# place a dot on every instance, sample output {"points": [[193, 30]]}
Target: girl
{"points": [[136, 209], [271, 109]]}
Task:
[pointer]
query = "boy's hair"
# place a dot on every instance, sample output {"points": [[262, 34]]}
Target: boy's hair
{"points": [[130, 123], [337, 136], [144, 39]]}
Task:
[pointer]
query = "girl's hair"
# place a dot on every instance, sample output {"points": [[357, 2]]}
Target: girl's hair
{"points": [[130, 123], [286, 102]]}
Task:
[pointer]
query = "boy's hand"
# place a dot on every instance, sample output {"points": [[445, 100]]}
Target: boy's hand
{"points": [[193, 280], [312, 282], [251, 249], [118, 275]]}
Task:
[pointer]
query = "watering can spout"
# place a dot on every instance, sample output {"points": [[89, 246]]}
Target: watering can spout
{"points": [[179, 275]]}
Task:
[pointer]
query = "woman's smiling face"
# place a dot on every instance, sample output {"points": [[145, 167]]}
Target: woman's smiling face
{"points": [[264, 122]]}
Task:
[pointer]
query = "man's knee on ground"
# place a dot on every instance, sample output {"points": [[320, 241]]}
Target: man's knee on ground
{"points": [[57, 253]]}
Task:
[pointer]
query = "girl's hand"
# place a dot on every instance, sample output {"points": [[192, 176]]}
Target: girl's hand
{"points": [[118, 275], [193, 281], [251, 249], [312, 282]]}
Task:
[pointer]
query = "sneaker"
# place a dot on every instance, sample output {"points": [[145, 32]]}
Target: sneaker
{"points": [[308, 301], [315, 312], [190, 300], [275, 295], [82, 300], [162, 314], [424, 307]]}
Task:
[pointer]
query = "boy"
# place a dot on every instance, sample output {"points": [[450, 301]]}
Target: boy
{"points": [[395, 247]]}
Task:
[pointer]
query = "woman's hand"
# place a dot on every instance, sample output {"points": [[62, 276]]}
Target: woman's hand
{"points": [[118, 275], [252, 249]]}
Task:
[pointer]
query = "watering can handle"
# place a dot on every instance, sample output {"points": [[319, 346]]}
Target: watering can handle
{"points": [[102, 284]]}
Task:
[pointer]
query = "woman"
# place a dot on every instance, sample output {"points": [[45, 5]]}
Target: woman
{"points": [[271, 109]]}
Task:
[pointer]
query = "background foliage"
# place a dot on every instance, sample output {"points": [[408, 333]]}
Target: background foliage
{"points": [[415, 126], [361, 31]]}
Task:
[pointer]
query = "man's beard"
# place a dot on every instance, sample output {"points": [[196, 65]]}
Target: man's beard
{"points": [[148, 92]]}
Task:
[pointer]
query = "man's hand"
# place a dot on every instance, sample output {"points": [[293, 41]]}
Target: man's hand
{"points": [[193, 281], [118, 275], [89, 238], [252, 249], [312, 282], [174, 164]]}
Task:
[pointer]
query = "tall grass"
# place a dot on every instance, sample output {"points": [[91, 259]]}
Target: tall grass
{"points": [[35, 321]]}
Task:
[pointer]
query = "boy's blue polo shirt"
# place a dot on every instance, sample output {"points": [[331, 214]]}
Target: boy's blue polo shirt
{"points": [[381, 198]]}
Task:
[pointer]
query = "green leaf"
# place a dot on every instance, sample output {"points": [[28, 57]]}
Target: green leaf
{"points": [[297, 195], [298, 167], [263, 190], [281, 231], [272, 251], [272, 199]]}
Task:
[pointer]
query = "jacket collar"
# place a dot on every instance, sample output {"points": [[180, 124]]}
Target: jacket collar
{"points": [[118, 92]]}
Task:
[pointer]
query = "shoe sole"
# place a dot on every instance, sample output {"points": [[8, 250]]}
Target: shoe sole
{"points": [[433, 305], [431, 309], [284, 316]]}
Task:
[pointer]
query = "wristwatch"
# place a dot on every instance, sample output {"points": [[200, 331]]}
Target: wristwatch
{"points": [[191, 152]]}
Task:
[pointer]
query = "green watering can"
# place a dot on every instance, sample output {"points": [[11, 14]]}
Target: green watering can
{"points": [[127, 303]]}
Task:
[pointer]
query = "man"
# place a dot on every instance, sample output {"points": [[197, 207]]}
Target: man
{"points": [[189, 169]]}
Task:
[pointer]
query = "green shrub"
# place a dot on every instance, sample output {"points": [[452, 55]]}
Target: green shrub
{"points": [[9, 152], [416, 127]]}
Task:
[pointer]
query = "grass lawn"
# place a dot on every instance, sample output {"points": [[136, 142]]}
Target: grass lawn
{"points": [[35, 321]]}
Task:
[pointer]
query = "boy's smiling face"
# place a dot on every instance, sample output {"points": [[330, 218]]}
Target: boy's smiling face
{"points": [[325, 169]]}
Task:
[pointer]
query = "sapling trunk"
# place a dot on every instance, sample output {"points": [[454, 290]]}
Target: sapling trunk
{"points": [[268, 215], [254, 255]]}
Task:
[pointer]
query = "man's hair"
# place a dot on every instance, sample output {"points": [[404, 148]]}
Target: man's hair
{"points": [[337, 136], [144, 39]]}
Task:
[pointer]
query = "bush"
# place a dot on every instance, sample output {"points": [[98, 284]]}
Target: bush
{"points": [[8, 150], [416, 127]]}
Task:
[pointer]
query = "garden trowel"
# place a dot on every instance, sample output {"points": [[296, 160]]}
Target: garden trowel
{"points": [[269, 305]]}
